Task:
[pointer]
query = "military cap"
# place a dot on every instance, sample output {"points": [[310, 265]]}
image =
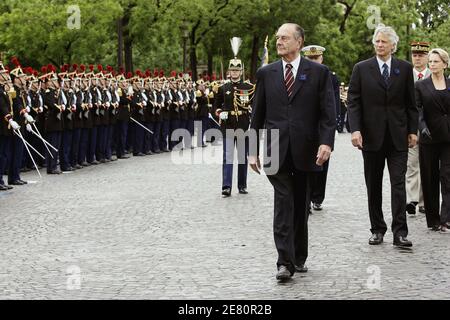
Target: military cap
{"points": [[313, 51], [17, 71], [420, 47]]}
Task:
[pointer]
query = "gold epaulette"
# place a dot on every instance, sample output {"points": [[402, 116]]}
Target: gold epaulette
{"points": [[198, 93]]}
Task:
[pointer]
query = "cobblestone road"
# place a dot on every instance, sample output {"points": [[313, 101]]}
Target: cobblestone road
{"points": [[145, 228]]}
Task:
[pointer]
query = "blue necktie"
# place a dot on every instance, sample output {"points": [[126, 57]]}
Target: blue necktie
{"points": [[385, 73]]}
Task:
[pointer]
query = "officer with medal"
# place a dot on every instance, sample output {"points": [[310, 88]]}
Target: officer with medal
{"points": [[232, 107], [319, 179]]}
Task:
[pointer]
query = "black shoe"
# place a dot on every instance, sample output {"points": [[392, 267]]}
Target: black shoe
{"points": [[124, 157], [16, 183], [8, 187], [25, 169], [243, 191], [444, 229], [226, 192], [302, 268], [376, 238], [85, 164], [166, 150], [77, 167], [411, 208], [102, 161], [56, 171], [69, 169], [204, 145], [157, 151], [283, 273], [422, 209], [3, 187], [149, 153], [23, 182], [402, 242], [435, 228], [113, 158], [140, 154], [317, 206], [95, 162]]}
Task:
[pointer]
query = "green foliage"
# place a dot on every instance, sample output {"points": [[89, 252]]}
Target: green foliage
{"points": [[37, 32]]}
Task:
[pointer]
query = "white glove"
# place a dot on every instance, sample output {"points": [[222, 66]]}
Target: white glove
{"points": [[41, 109], [74, 108], [14, 124], [63, 107], [130, 91], [107, 104], [28, 109], [144, 103], [223, 115], [29, 118], [28, 126]]}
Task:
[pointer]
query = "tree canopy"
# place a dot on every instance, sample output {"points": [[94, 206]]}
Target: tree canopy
{"points": [[141, 34]]}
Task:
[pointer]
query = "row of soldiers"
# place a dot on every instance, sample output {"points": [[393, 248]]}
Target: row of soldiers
{"points": [[80, 117]]}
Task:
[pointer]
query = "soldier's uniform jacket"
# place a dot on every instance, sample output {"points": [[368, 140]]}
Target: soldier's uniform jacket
{"points": [[192, 104], [165, 111], [53, 118], [160, 101], [88, 114], [97, 105], [37, 102], [173, 108], [184, 111], [113, 111], [104, 109], [124, 107], [5, 109], [236, 99], [19, 105], [77, 117], [150, 110], [137, 112], [67, 114]]}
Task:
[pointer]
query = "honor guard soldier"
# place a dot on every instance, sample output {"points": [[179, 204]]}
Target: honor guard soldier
{"points": [[232, 106], [53, 108], [21, 116], [123, 116], [7, 123], [319, 179], [414, 195]]}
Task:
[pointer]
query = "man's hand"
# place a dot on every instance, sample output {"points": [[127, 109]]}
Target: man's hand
{"points": [[412, 140], [357, 139], [323, 154], [254, 163], [426, 133]]}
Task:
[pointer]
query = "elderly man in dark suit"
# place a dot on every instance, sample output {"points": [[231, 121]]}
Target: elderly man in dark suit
{"points": [[384, 120], [294, 98]]}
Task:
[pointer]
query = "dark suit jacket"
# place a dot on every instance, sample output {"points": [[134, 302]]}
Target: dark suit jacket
{"points": [[373, 105], [434, 113], [305, 120]]}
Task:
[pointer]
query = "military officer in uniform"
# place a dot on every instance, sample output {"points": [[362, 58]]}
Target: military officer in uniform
{"points": [[414, 196], [232, 107], [319, 179]]}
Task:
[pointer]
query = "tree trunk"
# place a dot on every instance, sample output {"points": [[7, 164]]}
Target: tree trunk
{"points": [[210, 62], [193, 56], [128, 42], [255, 58], [120, 43]]}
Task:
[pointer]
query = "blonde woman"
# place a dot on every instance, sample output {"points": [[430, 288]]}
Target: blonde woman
{"points": [[433, 101]]}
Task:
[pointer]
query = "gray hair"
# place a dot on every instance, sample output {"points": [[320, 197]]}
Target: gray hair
{"points": [[388, 31], [299, 32]]}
